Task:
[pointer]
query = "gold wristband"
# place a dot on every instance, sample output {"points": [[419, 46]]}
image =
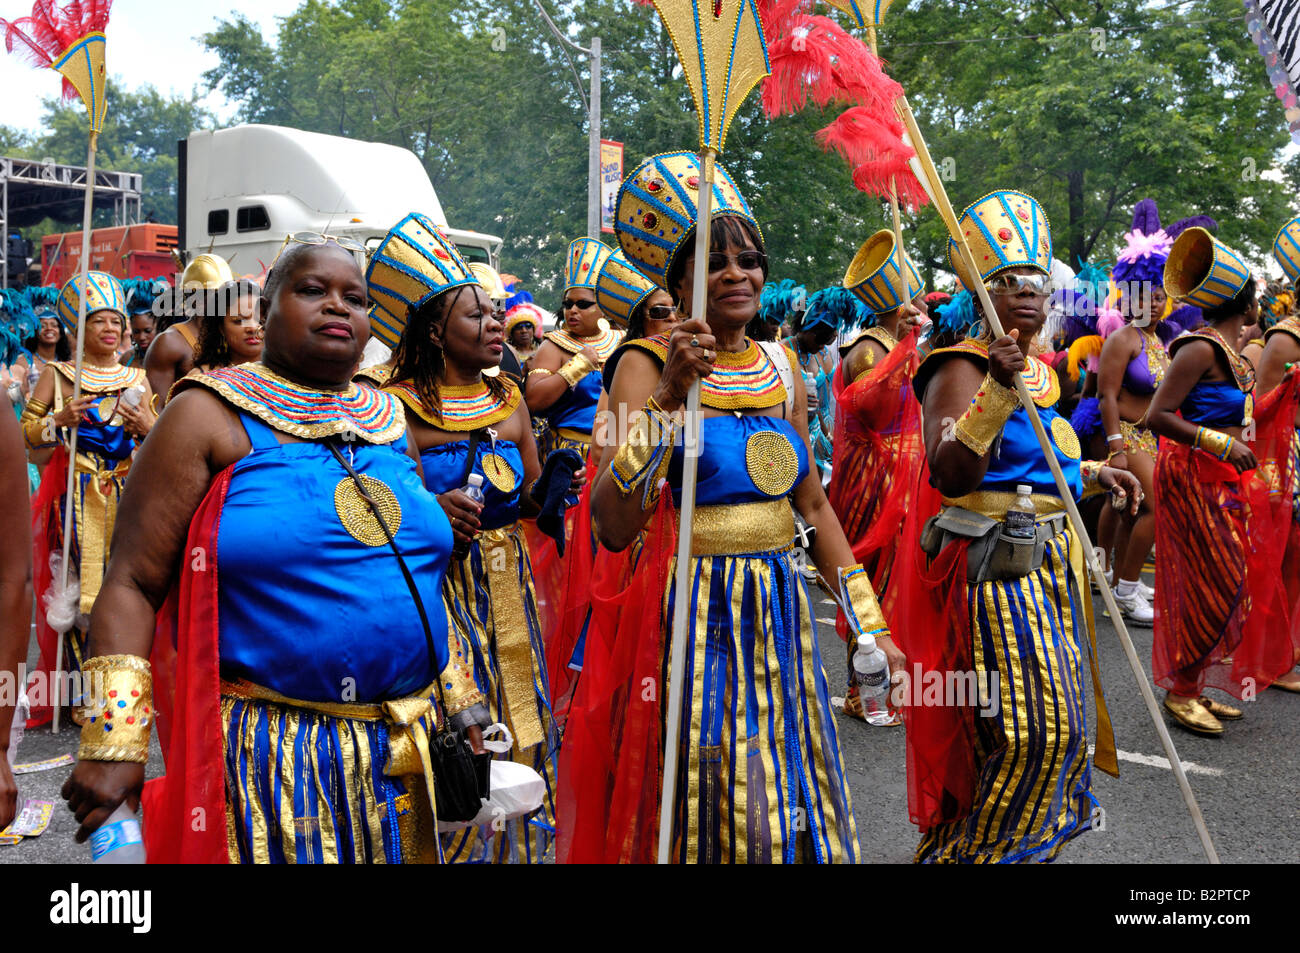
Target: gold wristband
{"points": [[576, 369], [153, 404], [987, 414], [540, 370], [118, 709], [1214, 442], [855, 584], [644, 456], [1090, 472], [37, 425]]}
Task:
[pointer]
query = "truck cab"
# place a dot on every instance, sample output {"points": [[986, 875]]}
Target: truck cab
{"points": [[243, 189]]}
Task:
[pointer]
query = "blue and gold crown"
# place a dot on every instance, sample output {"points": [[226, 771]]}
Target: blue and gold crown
{"points": [[874, 277], [586, 256], [620, 288], [1203, 271], [1004, 229], [1286, 249], [103, 293], [658, 205], [414, 263]]}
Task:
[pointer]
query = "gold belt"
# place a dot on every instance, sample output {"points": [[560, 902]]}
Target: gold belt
{"points": [[408, 742], [994, 503], [576, 435], [514, 649], [96, 513], [739, 528]]}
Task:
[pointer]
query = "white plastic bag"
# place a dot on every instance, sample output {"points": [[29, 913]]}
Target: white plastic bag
{"points": [[21, 712], [516, 788]]}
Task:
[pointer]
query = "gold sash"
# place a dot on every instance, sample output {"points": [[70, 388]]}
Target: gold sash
{"points": [[514, 651]]}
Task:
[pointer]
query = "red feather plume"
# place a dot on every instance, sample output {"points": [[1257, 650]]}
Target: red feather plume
{"points": [[45, 35]]}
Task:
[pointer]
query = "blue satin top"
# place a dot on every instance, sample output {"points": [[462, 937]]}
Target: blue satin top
{"points": [[723, 476], [576, 410], [1216, 404], [95, 435], [308, 610], [444, 466], [1017, 458]]}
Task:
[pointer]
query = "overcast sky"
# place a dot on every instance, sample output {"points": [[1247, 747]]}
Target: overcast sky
{"points": [[149, 41]]}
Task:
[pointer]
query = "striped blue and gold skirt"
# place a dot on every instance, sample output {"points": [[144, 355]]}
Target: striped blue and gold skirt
{"points": [[760, 777], [1033, 791], [492, 606], [308, 785]]}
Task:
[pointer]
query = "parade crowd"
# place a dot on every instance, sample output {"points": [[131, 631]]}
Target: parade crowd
{"points": [[356, 534]]}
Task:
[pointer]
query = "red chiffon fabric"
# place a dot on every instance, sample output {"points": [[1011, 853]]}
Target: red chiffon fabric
{"points": [[1275, 447], [1221, 541], [933, 631], [185, 809], [607, 804], [47, 537], [878, 454]]}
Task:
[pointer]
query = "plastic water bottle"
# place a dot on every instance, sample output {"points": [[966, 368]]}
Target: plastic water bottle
{"points": [[871, 672], [21, 712], [473, 488], [118, 839], [1020, 515]]}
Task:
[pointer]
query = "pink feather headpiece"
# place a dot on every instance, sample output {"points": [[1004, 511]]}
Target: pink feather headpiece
{"points": [[1140, 245], [52, 28]]}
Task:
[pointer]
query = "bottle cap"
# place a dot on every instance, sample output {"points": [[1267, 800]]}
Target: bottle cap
{"points": [[867, 643], [476, 479], [1024, 489]]}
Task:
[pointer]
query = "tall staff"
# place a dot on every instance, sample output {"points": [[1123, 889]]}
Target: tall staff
{"points": [[723, 56], [70, 40]]}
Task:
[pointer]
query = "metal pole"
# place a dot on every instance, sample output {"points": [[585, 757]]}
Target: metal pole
{"points": [[593, 157]]}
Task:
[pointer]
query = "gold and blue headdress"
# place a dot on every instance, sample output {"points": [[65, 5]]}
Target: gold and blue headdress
{"points": [[103, 293], [874, 275], [1004, 229], [586, 256], [414, 264], [1286, 249], [1203, 271], [657, 207], [620, 288]]}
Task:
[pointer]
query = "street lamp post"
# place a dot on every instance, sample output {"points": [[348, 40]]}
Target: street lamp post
{"points": [[592, 102]]}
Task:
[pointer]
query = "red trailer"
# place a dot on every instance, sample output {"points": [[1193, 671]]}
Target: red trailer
{"points": [[130, 251]]}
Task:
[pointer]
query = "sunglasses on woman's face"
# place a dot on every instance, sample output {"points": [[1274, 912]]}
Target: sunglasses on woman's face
{"points": [[745, 261], [580, 305], [1014, 284], [662, 312]]}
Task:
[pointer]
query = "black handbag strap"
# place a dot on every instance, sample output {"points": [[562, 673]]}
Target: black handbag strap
{"points": [[475, 438], [406, 573]]}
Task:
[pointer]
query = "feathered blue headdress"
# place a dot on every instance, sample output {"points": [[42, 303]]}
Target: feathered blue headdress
{"points": [[517, 296], [17, 324], [141, 293], [838, 307], [951, 322], [41, 297], [781, 300]]}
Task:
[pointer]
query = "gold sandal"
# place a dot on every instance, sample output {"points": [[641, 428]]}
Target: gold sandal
{"points": [[1219, 709], [1194, 716]]}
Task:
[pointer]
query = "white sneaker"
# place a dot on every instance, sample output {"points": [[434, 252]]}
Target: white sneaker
{"points": [[1135, 608], [1148, 593]]}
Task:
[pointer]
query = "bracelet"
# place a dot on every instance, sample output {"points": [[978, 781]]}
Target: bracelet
{"points": [[644, 456], [576, 369], [118, 710], [1114, 436], [855, 585], [37, 425], [1214, 442], [540, 370], [153, 404], [1090, 472], [984, 419]]}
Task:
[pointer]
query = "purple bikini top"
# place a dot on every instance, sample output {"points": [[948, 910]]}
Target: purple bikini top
{"points": [[1138, 376]]}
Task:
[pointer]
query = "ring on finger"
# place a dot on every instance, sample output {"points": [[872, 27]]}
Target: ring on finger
{"points": [[695, 342]]}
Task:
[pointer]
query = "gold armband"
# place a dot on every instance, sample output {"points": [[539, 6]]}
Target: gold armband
{"points": [[644, 456], [541, 370], [153, 405], [118, 709], [1090, 472], [37, 425], [576, 369], [1214, 442], [855, 585], [986, 416]]}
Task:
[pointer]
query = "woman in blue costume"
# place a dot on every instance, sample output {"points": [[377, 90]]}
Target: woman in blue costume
{"points": [[761, 779], [450, 339], [112, 415], [563, 383], [296, 694], [1013, 784]]}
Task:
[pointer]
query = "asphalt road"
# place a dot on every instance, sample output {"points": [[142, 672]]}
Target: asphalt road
{"points": [[1246, 781]]}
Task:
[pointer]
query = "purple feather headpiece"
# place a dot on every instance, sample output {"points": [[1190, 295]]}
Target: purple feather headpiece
{"points": [[1147, 245]]}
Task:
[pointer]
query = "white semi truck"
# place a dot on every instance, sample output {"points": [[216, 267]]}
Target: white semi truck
{"points": [[243, 189]]}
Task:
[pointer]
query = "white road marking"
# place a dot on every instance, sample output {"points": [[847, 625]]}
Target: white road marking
{"points": [[1156, 761]]}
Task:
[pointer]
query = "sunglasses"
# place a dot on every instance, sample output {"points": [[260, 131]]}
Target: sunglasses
{"points": [[745, 261], [318, 238], [1014, 284], [580, 305], [662, 312]]}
